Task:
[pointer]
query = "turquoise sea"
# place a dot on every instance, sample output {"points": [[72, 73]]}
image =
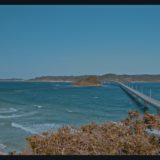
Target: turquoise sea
{"points": [[30, 108]]}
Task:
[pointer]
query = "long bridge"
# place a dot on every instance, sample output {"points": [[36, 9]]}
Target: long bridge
{"points": [[136, 94]]}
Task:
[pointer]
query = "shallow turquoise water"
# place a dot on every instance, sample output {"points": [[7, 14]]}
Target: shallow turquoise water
{"points": [[31, 108]]}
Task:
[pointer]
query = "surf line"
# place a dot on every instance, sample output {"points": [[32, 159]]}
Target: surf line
{"points": [[16, 125]]}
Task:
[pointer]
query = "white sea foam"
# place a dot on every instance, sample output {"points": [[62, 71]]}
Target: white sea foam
{"points": [[13, 110], [10, 110], [70, 111], [38, 106], [36, 128], [45, 127], [16, 125], [2, 146], [17, 115]]}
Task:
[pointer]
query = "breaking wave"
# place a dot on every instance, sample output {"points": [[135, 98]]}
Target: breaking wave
{"points": [[10, 110], [2, 146], [16, 125], [17, 115], [37, 128], [38, 106], [70, 111]]}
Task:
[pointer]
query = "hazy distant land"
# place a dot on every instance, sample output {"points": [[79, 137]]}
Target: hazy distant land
{"points": [[91, 80], [101, 78]]}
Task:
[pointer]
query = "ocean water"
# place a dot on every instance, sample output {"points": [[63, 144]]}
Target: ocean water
{"points": [[32, 108]]}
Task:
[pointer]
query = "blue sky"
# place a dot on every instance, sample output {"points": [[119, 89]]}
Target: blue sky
{"points": [[76, 40]]}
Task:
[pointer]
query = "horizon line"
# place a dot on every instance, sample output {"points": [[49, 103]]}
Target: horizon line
{"points": [[18, 78]]}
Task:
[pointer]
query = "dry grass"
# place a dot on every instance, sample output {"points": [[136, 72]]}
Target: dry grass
{"points": [[126, 138]]}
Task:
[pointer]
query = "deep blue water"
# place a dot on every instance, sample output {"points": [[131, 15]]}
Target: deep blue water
{"points": [[31, 108]]}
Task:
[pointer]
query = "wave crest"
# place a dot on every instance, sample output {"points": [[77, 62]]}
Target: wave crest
{"points": [[2, 146], [37, 128], [38, 106], [10, 110], [17, 115]]}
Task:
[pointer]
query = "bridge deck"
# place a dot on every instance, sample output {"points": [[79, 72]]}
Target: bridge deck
{"points": [[147, 99]]}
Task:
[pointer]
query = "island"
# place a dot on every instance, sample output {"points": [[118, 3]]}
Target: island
{"points": [[88, 81]]}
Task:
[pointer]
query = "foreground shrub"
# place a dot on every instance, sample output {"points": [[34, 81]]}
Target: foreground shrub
{"points": [[125, 138]]}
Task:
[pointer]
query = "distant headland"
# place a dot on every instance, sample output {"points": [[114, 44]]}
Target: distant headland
{"points": [[83, 79], [102, 78]]}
